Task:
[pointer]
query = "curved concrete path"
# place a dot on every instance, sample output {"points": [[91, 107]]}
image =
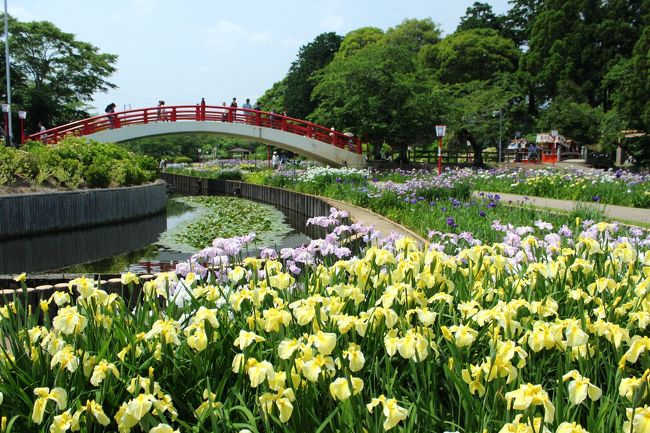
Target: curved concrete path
{"points": [[383, 225], [619, 213]]}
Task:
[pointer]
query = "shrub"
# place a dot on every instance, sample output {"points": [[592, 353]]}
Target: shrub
{"points": [[229, 174], [7, 165], [76, 162], [98, 175], [182, 160]]}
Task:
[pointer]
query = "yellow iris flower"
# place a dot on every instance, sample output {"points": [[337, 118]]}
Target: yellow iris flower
{"points": [[531, 395], [69, 321], [246, 338], [391, 410], [580, 387], [638, 420], [163, 428], [101, 370], [57, 395], [341, 389]]}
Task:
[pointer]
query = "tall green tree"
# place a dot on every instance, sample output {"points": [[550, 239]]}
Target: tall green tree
{"points": [[300, 80], [358, 39], [480, 16], [273, 98], [476, 112], [577, 121], [477, 54], [573, 44], [55, 74], [381, 92], [629, 82], [518, 21]]}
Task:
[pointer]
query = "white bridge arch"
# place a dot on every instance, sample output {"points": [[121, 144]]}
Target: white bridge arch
{"points": [[304, 138]]}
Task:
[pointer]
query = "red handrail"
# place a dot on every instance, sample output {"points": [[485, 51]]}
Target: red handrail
{"points": [[208, 113]]}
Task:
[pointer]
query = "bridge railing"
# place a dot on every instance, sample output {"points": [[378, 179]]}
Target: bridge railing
{"points": [[200, 113]]}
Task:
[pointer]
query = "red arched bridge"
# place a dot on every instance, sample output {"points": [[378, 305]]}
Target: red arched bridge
{"points": [[299, 136]]}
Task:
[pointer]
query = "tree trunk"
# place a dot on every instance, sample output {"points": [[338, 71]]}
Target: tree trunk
{"points": [[465, 136], [403, 154]]}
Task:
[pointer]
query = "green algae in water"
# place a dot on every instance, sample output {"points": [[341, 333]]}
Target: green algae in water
{"points": [[225, 217]]}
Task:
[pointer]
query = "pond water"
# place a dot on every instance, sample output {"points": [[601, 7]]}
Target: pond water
{"points": [[129, 246]]}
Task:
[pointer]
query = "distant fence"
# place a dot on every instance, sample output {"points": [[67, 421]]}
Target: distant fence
{"points": [[449, 157], [30, 214], [595, 159]]}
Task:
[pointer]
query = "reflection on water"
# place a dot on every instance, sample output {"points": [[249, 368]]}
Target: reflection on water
{"points": [[54, 251], [118, 248]]}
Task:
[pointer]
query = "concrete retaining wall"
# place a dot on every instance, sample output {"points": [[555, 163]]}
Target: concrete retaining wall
{"points": [[30, 214], [307, 205]]}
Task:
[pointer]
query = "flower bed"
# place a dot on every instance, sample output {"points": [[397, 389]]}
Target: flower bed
{"points": [[543, 331], [610, 187], [417, 199]]}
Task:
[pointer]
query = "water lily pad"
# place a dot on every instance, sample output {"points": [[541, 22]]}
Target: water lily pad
{"points": [[218, 216]]}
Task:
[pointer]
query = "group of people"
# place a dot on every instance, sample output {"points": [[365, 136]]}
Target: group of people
{"points": [[163, 116]]}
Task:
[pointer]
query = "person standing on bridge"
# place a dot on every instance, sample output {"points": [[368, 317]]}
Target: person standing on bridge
{"points": [[202, 115], [233, 110], [110, 109], [224, 115], [273, 118], [162, 113], [247, 105]]}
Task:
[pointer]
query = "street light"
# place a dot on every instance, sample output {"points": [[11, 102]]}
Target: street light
{"points": [[440, 132], [8, 131], [500, 113], [22, 115], [5, 110]]}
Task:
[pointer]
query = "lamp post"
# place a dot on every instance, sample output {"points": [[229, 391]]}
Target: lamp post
{"points": [[5, 110], [8, 130], [22, 115], [440, 132], [500, 113]]}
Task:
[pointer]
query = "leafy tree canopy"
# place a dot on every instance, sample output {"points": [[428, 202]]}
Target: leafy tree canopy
{"points": [[299, 81], [380, 91], [470, 55], [53, 74], [480, 16]]}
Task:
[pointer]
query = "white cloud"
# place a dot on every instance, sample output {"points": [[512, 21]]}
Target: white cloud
{"points": [[144, 7], [21, 14], [289, 42], [113, 19], [260, 37], [332, 22], [226, 34]]}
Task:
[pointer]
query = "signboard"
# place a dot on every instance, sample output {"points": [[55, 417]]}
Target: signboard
{"points": [[440, 130]]}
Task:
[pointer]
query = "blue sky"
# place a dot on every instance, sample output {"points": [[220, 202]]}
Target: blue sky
{"points": [[181, 51]]}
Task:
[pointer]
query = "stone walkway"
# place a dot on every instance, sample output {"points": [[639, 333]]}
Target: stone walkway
{"points": [[620, 213], [368, 217]]}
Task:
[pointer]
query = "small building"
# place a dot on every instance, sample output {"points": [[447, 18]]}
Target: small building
{"points": [[239, 153], [550, 143]]}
